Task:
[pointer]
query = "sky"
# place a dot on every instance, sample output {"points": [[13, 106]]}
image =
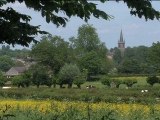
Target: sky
{"points": [[136, 31]]}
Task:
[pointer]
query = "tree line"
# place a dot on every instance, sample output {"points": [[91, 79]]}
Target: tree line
{"points": [[69, 62], [138, 60], [81, 58]]}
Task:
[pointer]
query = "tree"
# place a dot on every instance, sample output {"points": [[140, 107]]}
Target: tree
{"points": [[23, 80], [18, 81], [79, 80], [40, 75], [135, 58], [5, 50], [2, 79], [54, 81], [92, 62], [117, 57], [88, 41], [5, 63], [129, 66], [90, 52], [52, 52], [16, 29], [27, 77], [154, 55], [67, 74]]}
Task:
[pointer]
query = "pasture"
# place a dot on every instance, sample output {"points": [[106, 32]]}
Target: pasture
{"points": [[99, 103]]}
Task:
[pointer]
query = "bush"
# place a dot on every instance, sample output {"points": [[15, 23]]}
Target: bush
{"points": [[136, 85], [122, 86], [152, 80], [116, 82], [130, 82], [156, 85], [106, 81], [111, 82]]}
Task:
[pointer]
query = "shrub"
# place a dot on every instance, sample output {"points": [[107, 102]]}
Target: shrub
{"points": [[117, 82], [152, 80], [156, 85], [122, 86], [111, 82], [130, 82], [136, 85], [106, 81]]}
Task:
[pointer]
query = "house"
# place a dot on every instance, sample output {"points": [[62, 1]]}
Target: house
{"points": [[14, 71]]}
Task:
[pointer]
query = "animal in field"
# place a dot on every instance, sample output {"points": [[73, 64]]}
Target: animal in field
{"points": [[90, 86]]}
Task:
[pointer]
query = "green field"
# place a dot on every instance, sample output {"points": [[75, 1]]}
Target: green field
{"points": [[99, 93]]}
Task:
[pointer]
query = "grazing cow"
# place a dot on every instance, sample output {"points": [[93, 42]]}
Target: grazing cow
{"points": [[145, 90], [142, 91], [90, 86]]}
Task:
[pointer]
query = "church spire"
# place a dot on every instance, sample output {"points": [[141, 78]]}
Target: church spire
{"points": [[121, 44], [121, 37]]}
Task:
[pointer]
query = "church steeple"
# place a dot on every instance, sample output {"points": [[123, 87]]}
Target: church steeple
{"points": [[121, 37], [121, 44]]}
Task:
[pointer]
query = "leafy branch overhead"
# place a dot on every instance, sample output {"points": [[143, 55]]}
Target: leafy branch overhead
{"points": [[16, 29]]}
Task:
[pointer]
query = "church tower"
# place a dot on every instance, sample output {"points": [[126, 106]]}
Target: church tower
{"points": [[121, 44]]}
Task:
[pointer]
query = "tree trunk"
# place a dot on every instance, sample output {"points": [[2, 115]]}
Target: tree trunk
{"points": [[79, 86], [70, 85], [61, 86], [54, 85], [37, 86]]}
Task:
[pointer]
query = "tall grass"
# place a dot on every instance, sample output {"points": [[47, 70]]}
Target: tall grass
{"points": [[93, 95]]}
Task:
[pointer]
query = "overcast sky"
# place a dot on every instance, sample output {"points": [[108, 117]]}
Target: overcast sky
{"points": [[136, 31]]}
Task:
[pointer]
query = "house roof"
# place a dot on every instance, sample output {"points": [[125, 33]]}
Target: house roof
{"points": [[19, 69], [15, 71]]}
